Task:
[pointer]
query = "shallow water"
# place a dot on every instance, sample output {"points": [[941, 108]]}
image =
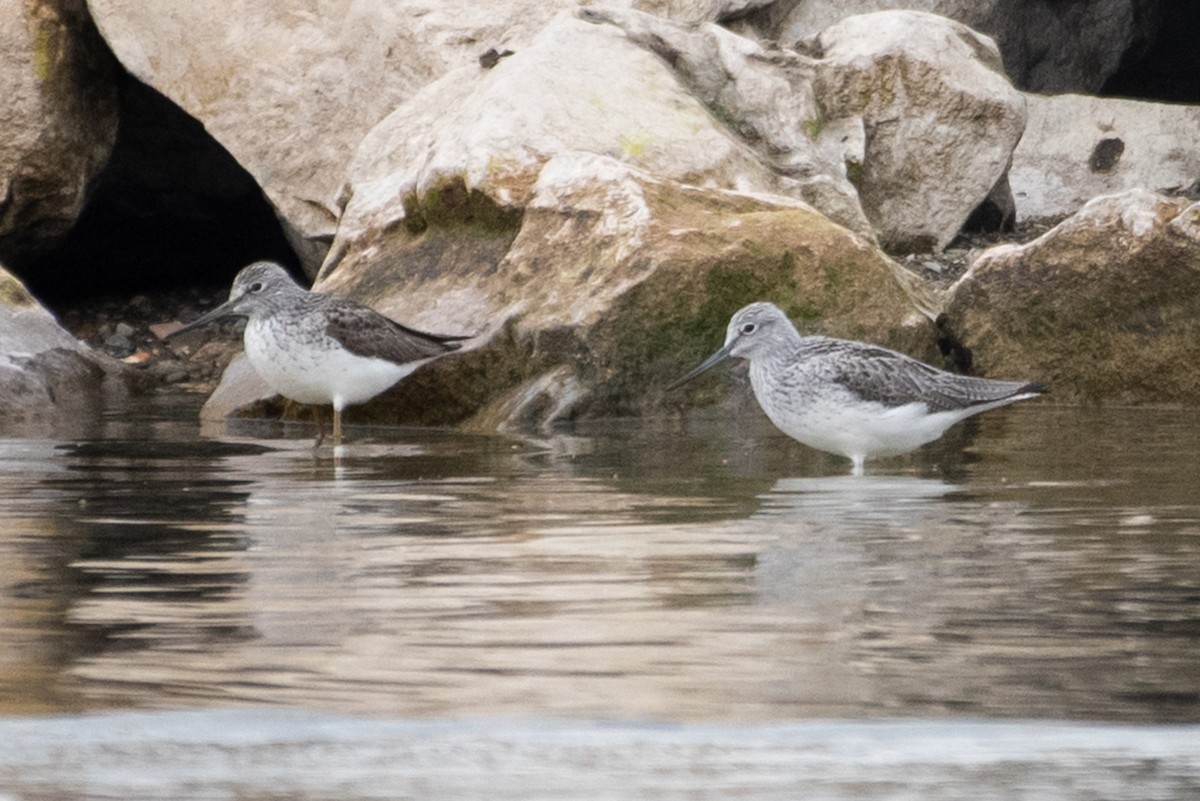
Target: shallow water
{"points": [[1040, 563], [284, 754]]}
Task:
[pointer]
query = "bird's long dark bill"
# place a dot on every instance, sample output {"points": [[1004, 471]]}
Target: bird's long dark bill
{"points": [[707, 364], [220, 313]]}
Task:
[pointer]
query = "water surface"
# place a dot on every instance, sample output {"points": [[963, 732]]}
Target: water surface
{"points": [[1045, 564]]}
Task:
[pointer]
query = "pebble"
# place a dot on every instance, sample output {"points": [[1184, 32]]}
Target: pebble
{"points": [[134, 331], [119, 345]]}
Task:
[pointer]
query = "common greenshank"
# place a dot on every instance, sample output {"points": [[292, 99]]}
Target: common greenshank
{"points": [[321, 349], [851, 398]]}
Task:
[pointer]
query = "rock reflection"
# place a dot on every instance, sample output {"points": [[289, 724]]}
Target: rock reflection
{"points": [[634, 571], [987, 602]]}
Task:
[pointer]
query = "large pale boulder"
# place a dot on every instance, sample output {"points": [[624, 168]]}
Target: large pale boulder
{"points": [[608, 284], [1104, 307], [482, 138], [584, 214], [941, 119], [42, 367], [58, 117], [1076, 148], [291, 91], [766, 97], [1047, 47]]}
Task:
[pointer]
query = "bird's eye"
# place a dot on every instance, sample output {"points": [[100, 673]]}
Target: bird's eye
{"points": [[257, 286], [748, 328]]}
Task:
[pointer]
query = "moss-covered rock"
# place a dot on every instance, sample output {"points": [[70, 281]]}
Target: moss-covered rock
{"points": [[711, 254], [1104, 307], [621, 280], [588, 219]]}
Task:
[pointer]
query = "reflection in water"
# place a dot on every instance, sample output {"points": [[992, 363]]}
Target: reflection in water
{"points": [[1039, 568], [983, 603]]}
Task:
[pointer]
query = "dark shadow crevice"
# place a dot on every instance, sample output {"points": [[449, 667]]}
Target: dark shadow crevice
{"points": [[172, 208]]}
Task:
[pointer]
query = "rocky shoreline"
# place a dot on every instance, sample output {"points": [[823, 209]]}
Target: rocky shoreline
{"points": [[133, 331], [607, 192]]}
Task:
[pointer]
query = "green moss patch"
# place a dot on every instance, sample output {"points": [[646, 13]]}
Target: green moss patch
{"points": [[449, 204]]}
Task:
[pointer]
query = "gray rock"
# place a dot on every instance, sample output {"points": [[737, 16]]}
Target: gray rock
{"points": [[1076, 148], [43, 368], [60, 119], [940, 118], [1047, 47]]}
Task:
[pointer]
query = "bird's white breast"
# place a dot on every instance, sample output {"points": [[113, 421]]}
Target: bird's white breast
{"points": [[316, 369]]}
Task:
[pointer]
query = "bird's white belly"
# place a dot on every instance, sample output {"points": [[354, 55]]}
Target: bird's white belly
{"points": [[839, 423], [319, 372], [869, 429]]}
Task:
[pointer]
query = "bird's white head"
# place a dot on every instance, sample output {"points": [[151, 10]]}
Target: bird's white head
{"points": [[257, 290], [753, 330], [757, 328]]}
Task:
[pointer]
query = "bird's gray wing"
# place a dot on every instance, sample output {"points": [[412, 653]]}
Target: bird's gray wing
{"points": [[366, 332], [893, 379]]}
